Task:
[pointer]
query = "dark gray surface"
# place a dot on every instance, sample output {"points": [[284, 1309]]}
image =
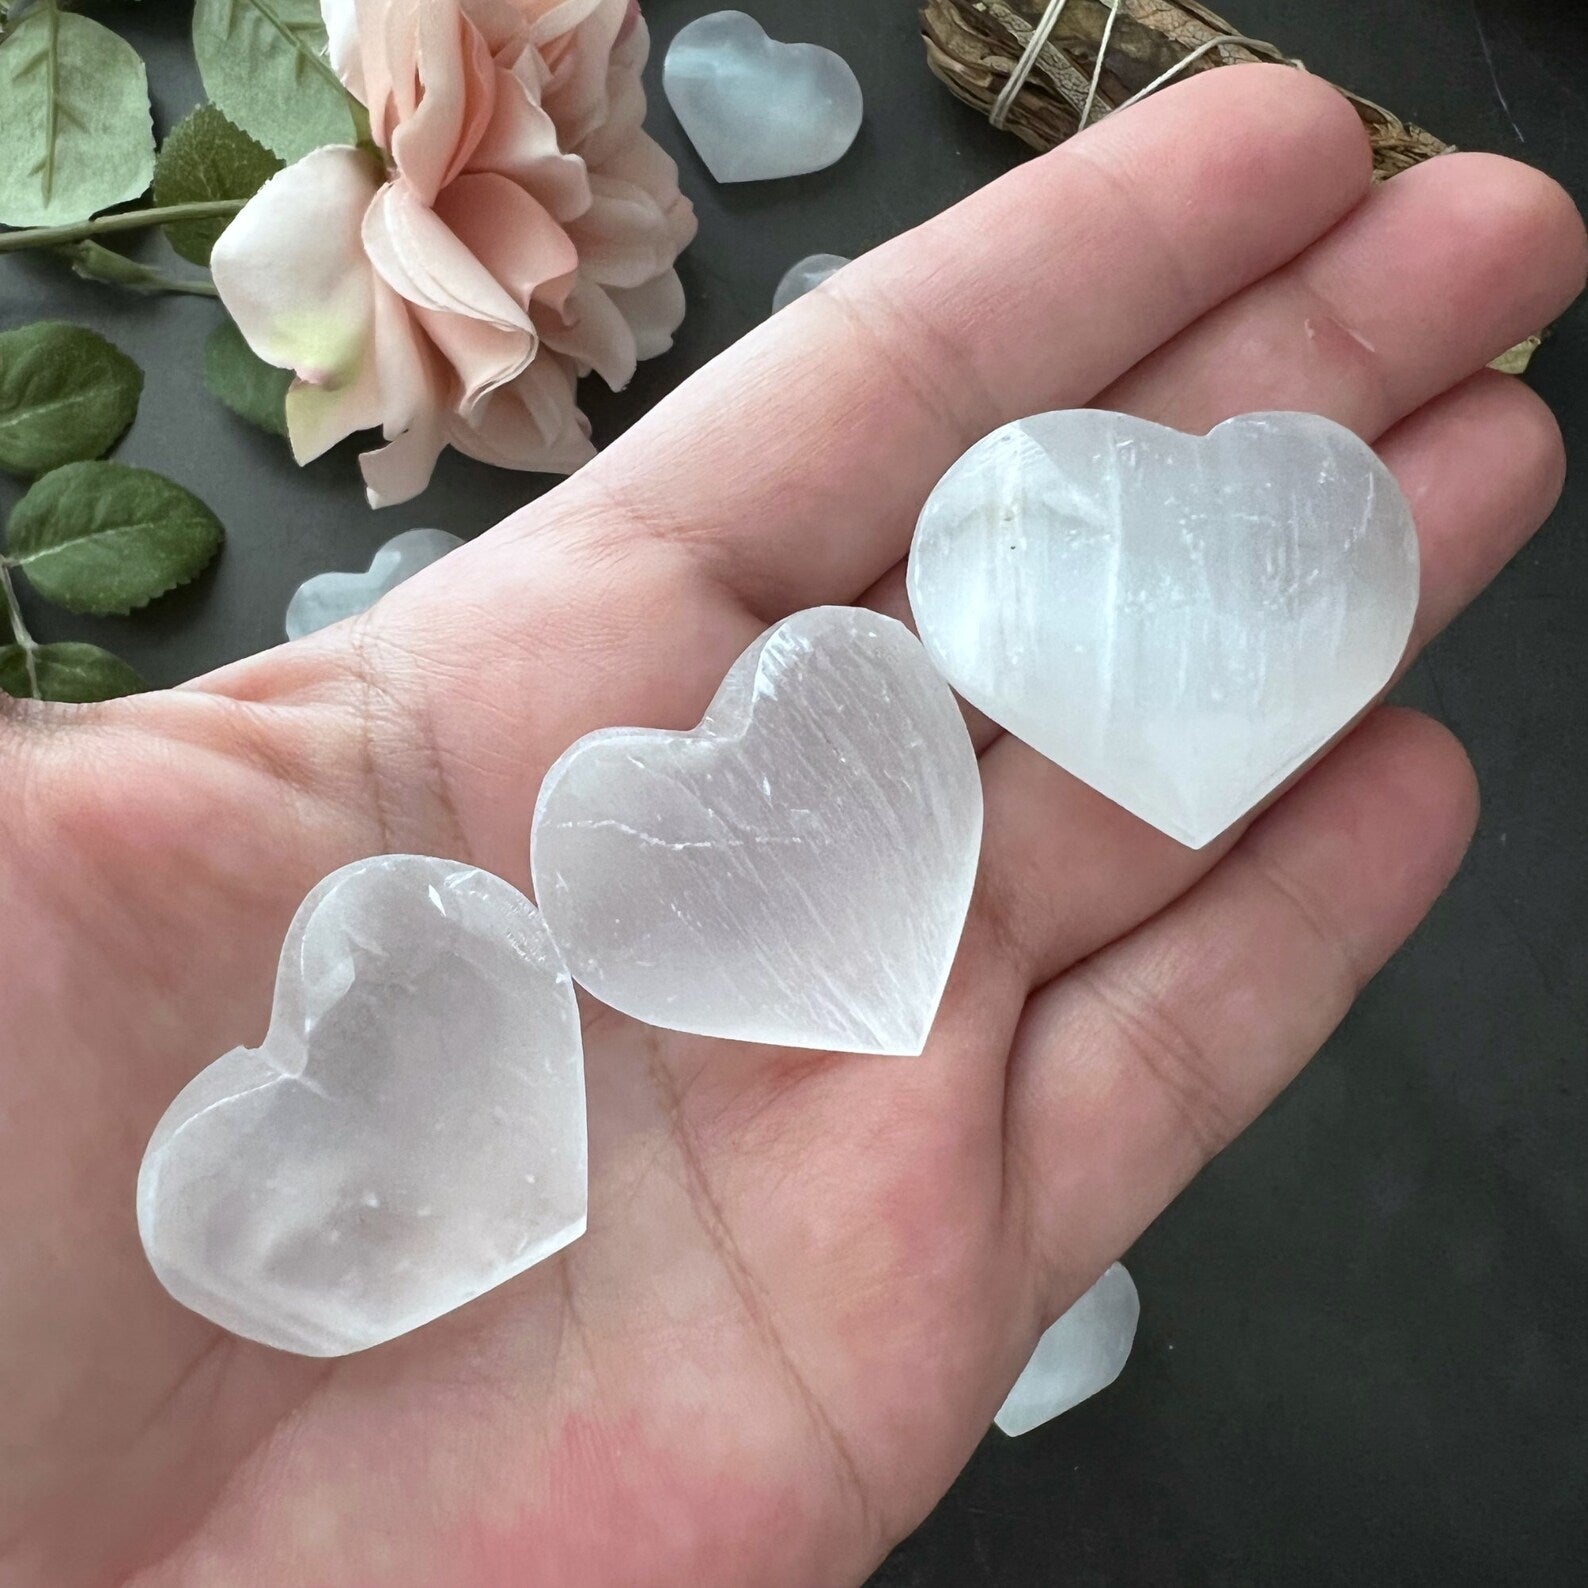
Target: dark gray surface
{"points": [[1362, 1356]]}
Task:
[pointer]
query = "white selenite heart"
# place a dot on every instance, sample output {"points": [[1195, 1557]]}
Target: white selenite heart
{"points": [[328, 598], [806, 276], [756, 109], [410, 1133], [797, 869], [1084, 1352], [1180, 621]]}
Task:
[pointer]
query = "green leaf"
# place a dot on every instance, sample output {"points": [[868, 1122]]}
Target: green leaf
{"points": [[105, 538], [240, 378], [205, 156], [75, 130], [65, 394], [264, 64], [71, 672]]}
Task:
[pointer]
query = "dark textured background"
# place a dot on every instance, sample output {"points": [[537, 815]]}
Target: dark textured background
{"points": [[1362, 1355]]}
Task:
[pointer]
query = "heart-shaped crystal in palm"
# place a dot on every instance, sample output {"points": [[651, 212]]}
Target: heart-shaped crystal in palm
{"points": [[1180, 621], [806, 276], [330, 598], [410, 1133], [797, 869], [1084, 1352], [756, 109]]}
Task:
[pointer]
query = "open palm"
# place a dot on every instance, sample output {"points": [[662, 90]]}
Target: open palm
{"points": [[809, 1278]]}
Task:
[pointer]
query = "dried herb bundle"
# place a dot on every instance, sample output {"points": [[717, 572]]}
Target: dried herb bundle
{"points": [[974, 46]]}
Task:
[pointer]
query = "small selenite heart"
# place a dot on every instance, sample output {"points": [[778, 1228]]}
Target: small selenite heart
{"points": [[410, 1133], [756, 109], [1084, 1352], [797, 869], [329, 598]]}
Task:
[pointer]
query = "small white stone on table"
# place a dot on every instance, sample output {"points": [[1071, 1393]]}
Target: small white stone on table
{"points": [[1084, 1352], [410, 1134], [756, 109], [1179, 621], [330, 598], [806, 276], [797, 869]]}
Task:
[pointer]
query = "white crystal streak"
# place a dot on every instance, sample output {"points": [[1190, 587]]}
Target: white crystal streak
{"points": [[794, 871], [1084, 1352], [410, 1134], [805, 277], [756, 109], [328, 598], [1180, 621]]}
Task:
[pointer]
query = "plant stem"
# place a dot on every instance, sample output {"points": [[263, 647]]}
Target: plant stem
{"points": [[95, 263], [130, 221], [19, 629]]}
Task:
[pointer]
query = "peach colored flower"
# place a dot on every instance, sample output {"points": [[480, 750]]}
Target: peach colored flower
{"points": [[518, 232]]}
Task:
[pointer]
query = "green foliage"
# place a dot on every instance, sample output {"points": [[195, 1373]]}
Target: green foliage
{"points": [[264, 65], [71, 672], [205, 156], [251, 388], [66, 394], [75, 129], [104, 538]]}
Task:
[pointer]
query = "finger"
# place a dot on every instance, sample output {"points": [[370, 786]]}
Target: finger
{"points": [[1428, 279], [1134, 1069], [1065, 870], [794, 464]]}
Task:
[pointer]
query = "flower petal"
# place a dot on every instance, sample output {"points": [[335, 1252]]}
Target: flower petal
{"points": [[625, 238], [592, 331], [346, 50], [449, 103], [576, 97], [291, 268], [654, 312], [533, 424], [521, 143], [515, 238]]}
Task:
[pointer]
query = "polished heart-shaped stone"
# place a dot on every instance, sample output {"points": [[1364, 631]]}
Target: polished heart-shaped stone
{"points": [[756, 109], [410, 1133], [1180, 621], [797, 869], [1084, 1352], [328, 598], [806, 276]]}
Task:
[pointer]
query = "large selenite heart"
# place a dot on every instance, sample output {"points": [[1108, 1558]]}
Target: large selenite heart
{"points": [[756, 109], [330, 598], [410, 1134], [1180, 621], [797, 869]]}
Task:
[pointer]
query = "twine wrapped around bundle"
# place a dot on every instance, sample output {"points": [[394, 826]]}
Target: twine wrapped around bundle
{"points": [[1099, 55]]}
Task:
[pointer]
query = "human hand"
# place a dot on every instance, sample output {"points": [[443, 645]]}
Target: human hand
{"points": [[809, 1278]]}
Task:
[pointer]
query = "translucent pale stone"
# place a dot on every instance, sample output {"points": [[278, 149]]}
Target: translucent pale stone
{"points": [[756, 109], [1084, 1352], [805, 277], [410, 1134], [1180, 621], [328, 598], [797, 869]]}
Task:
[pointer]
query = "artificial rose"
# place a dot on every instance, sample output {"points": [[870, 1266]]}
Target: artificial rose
{"points": [[518, 231]]}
